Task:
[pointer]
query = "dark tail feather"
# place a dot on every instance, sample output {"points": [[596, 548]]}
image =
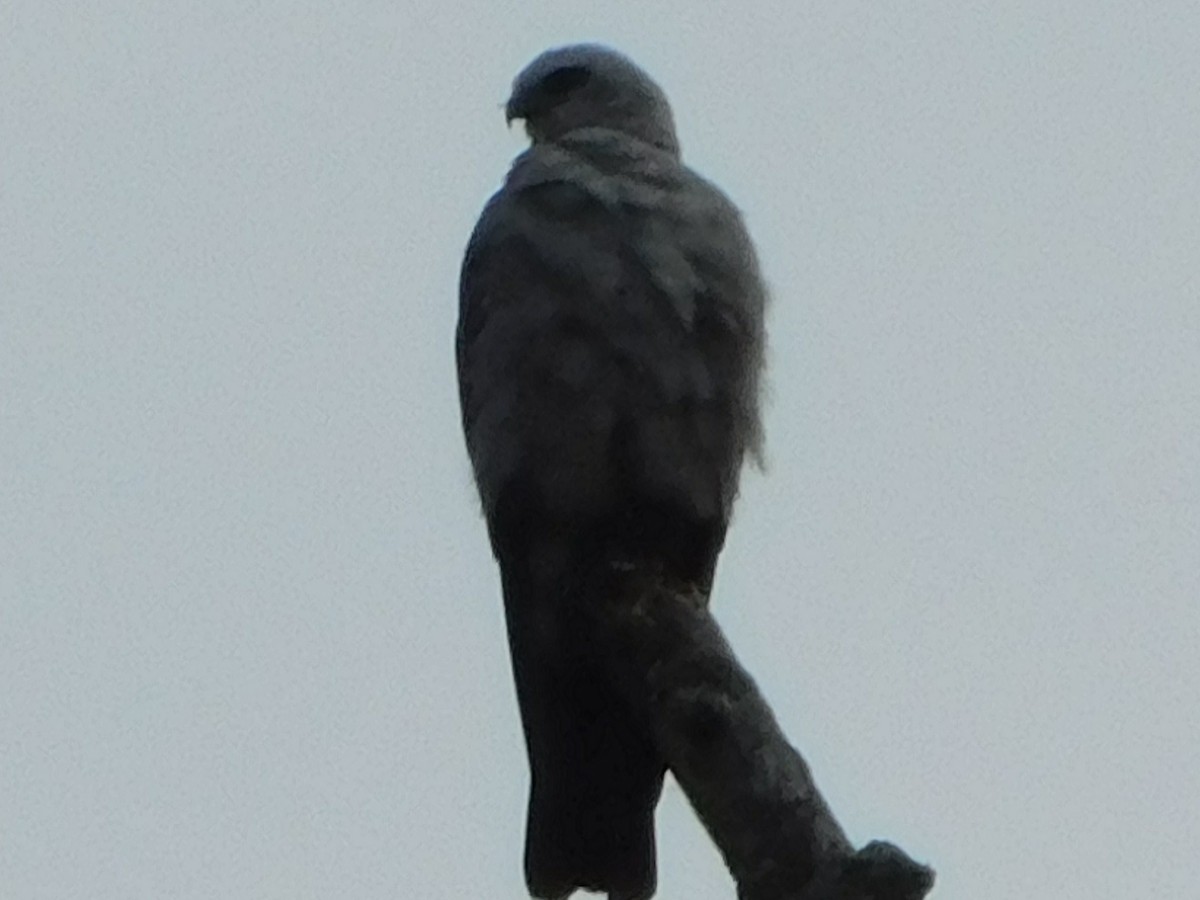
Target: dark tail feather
{"points": [[591, 806], [564, 850], [596, 776]]}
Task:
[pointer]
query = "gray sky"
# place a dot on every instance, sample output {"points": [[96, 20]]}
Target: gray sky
{"points": [[251, 642]]}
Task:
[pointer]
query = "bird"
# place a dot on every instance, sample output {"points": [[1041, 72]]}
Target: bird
{"points": [[610, 348]]}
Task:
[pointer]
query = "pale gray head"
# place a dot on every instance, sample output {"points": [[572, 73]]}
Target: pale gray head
{"points": [[590, 86]]}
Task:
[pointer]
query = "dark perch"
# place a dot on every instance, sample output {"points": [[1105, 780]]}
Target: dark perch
{"points": [[750, 788]]}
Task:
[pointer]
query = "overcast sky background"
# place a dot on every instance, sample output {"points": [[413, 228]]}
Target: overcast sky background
{"points": [[251, 640]]}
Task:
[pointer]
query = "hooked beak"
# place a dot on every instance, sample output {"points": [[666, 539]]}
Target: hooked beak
{"points": [[512, 111]]}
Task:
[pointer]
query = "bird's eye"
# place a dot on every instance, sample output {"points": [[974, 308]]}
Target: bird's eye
{"points": [[563, 81]]}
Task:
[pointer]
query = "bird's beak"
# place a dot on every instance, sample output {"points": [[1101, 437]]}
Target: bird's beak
{"points": [[513, 110]]}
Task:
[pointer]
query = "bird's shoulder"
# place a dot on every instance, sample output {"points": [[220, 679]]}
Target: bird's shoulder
{"points": [[597, 182], [597, 208]]}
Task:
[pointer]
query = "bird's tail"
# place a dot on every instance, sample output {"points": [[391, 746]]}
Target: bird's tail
{"points": [[595, 773], [591, 805]]}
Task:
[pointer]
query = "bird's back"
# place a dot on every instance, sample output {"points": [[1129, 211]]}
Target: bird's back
{"points": [[610, 336]]}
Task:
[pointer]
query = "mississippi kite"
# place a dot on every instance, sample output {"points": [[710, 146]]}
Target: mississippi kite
{"points": [[609, 346]]}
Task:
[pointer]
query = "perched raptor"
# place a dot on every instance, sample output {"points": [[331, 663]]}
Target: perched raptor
{"points": [[610, 342]]}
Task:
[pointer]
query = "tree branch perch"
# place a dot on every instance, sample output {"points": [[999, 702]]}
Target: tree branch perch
{"points": [[751, 789]]}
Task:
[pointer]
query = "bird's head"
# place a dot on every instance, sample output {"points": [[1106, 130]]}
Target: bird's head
{"points": [[590, 86]]}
